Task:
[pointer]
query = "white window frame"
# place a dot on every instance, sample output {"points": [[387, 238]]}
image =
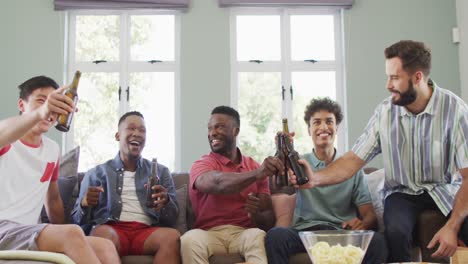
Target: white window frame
{"points": [[286, 66], [125, 66]]}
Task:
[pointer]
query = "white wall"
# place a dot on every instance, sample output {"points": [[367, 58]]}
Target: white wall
{"points": [[462, 19]]}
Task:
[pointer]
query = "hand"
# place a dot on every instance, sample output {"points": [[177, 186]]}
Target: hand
{"points": [[353, 224], [308, 172], [290, 136], [270, 166], [252, 205], [91, 198], [160, 197], [446, 237], [56, 103]]}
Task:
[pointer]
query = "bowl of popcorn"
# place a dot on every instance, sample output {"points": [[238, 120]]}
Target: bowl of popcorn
{"points": [[336, 246]]}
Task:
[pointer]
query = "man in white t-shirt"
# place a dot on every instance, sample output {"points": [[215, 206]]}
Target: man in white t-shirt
{"points": [[29, 163], [113, 199]]}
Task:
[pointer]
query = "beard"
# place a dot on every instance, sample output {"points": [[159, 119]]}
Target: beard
{"points": [[227, 146], [407, 97]]}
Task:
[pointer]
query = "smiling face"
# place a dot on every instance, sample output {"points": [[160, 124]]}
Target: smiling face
{"points": [[222, 133], [35, 100], [323, 129], [399, 83], [131, 137]]}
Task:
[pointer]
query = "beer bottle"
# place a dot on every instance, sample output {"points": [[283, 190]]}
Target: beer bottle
{"points": [[153, 179], [282, 180], [293, 158], [285, 126], [64, 120]]}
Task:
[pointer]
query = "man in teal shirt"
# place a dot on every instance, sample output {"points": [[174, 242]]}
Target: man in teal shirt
{"points": [[346, 205]]}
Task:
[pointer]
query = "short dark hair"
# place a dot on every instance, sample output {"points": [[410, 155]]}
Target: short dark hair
{"points": [[29, 86], [124, 116], [414, 55], [226, 110], [323, 103]]}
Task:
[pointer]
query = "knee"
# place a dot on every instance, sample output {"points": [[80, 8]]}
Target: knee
{"points": [[171, 237], [100, 231], [190, 240], [105, 244], [73, 236], [254, 238], [275, 235], [257, 233]]}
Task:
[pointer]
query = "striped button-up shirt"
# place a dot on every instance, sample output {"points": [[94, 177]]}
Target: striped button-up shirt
{"points": [[421, 152]]}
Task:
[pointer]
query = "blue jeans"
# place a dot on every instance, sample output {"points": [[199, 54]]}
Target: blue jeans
{"points": [[400, 216], [281, 242]]}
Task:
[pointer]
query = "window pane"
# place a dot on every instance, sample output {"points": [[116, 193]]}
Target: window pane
{"points": [[95, 123], [258, 38], [152, 38], [152, 94], [308, 85], [312, 37], [260, 113], [97, 38]]}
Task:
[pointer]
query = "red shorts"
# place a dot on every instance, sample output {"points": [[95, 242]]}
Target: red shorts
{"points": [[132, 236]]}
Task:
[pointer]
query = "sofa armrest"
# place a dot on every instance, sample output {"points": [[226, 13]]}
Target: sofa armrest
{"points": [[35, 256]]}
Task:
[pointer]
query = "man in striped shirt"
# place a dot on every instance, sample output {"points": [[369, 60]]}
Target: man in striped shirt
{"points": [[422, 131]]}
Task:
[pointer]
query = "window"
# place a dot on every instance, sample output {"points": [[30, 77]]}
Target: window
{"points": [[280, 60], [129, 62]]}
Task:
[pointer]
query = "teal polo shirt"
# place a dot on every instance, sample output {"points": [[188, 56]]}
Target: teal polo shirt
{"points": [[329, 205]]}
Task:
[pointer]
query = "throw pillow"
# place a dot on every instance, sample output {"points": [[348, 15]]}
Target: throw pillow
{"points": [[69, 163], [181, 194], [375, 182], [66, 186]]}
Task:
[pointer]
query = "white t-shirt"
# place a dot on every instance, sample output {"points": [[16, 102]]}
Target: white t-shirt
{"points": [[25, 174], [131, 207]]}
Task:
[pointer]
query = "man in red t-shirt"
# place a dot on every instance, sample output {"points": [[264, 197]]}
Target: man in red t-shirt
{"points": [[230, 196]]}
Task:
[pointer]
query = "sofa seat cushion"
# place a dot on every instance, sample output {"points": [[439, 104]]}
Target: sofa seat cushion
{"points": [[300, 258], [133, 259], [226, 258]]}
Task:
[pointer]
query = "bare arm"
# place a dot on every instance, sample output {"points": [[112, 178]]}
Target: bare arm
{"points": [[54, 204], [218, 182], [13, 128], [366, 221], [446, 237], [338, 171], [283, 207]]}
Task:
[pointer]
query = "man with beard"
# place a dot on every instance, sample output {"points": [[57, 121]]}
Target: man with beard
{"points": [[113, 199], [229, 194], [346, 205], [421, 130]]}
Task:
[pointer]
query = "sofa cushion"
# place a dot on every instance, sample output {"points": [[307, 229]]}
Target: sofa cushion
{"points": [[67, 183], [375, 182], [66, 186], [181, 194], [69, 163]]}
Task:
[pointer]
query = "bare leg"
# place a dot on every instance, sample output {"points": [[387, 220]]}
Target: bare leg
{"points": [[105, 250], [107, 232], [164, 244], [67, 239]]}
